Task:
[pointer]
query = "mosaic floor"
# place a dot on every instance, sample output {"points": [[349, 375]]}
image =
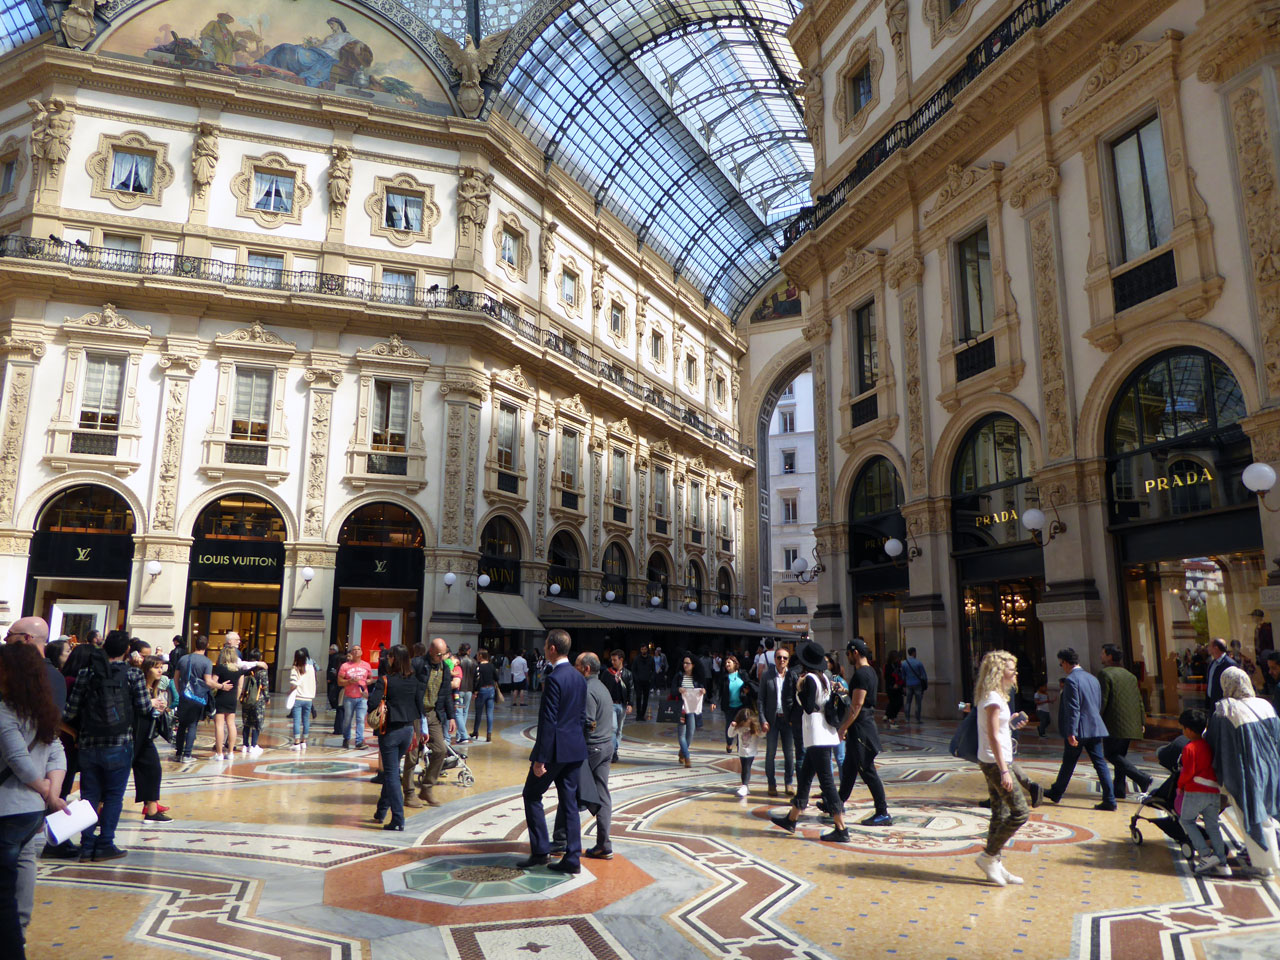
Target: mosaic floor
{"points": [[277, 857]]}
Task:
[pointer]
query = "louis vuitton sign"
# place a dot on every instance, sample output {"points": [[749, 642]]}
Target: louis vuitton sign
{"points": [[237, 561], [82, 556]]}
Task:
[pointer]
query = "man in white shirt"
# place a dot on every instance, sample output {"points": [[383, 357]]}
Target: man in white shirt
{"points": [[764, 659], [519, 679]]}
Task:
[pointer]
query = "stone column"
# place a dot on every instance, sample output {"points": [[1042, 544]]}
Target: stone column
{"points": [[306, 608], [926, 622]]}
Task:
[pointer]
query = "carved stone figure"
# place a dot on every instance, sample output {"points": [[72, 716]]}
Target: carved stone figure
{"points": [[547, 246], [50, 132], [471, 62], [810, 91], [339, 182], [204, 157], [896, 13], [473, 201], [77, 23], [597, 285]]}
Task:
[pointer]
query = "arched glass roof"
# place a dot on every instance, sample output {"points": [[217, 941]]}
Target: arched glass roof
{"points": [[680, 117], [20, 21]]}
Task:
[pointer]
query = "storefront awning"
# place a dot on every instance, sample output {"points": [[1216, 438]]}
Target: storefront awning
{"points": [[511, 612], [600, 616]]}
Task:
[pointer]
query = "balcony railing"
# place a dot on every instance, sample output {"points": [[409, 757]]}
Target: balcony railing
{"points": [[865, 410], [1027, 17], [973, 360], [99, 444], [1148, 279], [387, 464], [53, 250], [247, 454]]}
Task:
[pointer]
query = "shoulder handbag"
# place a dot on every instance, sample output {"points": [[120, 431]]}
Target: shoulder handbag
{"points": [[965, 742], [378, 718]]}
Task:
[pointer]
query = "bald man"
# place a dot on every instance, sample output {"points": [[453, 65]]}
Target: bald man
{"points": [[441, 714], [35, 631]]}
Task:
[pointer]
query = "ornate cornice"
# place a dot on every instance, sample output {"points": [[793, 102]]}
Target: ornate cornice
{"points": [[905, 270], [1114, 61], [465, 387], [20, 348], [107, 321], [1034, 185], [255, 339]]}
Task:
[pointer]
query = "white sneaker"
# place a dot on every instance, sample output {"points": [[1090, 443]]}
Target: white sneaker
{"points": [[1004, 871], [991, 867], [304, 746], [742, 790], [1212, 865], [255, 751], [295, 746]]}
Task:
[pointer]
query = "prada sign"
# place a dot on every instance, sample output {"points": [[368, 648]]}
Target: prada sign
{"points": [[999, 516], [1174, 481], [237, 561], [82, 556]]}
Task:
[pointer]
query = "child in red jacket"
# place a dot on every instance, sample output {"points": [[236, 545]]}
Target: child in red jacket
{"points": [[1198, 791]]}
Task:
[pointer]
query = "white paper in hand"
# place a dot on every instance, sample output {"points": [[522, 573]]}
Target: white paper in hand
{"points": [[61, 824], [692, 700]]}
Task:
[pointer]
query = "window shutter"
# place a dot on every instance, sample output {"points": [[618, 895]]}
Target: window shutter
{"points": [[398, 414]]}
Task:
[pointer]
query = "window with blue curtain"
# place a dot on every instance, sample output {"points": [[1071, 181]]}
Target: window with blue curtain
{"points": [[273, 192], [132, 172], [403, 212]]}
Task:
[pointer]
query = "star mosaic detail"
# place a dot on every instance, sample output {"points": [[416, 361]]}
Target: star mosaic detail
{"points": [[478, 879]]}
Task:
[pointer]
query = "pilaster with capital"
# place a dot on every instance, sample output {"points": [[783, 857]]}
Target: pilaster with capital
{"points": [[905, 274], [818, 334], [544, 421], [597, 495], [179, 364], [20, 357], [323, 382]]}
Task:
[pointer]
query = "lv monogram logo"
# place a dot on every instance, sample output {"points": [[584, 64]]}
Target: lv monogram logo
{"points": [[82, 554], [379, 566]]}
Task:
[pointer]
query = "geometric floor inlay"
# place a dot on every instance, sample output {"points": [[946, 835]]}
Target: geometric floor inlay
{"points": [[312, 768], [478, 879]]}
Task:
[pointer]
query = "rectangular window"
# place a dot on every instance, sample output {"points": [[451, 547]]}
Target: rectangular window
{"points": [[659, 491], [786, 421], [569, 287], [390, 415], [860, 89], [8, 174], [403, 211], [973, 260], [618, 477], [116, 241], [251, 412], [789, 391], [132, 172], [719, 389], [790, 511], [1142, 190], [273, 192], [695, 504], [569, 458], [100, 401], [788, 461], [127, 251], [506, 436], [510, 247], [864, 327], [691, 368], [789, 556], [399, 285], [724, 514], [615, 320], [657, 347]]}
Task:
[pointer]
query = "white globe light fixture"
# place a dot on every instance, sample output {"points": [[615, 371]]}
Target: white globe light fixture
{"points": [[483, 581], [308, 574], [751, 612], [893, 547], [1259, 477], [724, 608], [450, 579], [555, 589], [610, 596], [693, 605], [1033, 519], [655, 601], [799, 565], [153, 569]]}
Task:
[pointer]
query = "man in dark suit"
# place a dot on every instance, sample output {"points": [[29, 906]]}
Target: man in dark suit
{"points": [[777, 704], [557, 756], [1213, 675], [1080, 722]]}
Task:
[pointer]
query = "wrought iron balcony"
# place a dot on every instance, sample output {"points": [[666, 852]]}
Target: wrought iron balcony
{"points": [[387, 464], [99, 444], [1029, 16], [1147, 280], [865, 410], [975, 359], [247, 454]]}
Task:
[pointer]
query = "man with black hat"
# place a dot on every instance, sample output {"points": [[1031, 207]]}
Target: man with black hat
{"points": [[862, 740]]}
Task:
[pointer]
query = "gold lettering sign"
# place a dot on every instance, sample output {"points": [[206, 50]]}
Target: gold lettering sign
{"points": [[211, 558], [1000, 516], [1188, 478]]}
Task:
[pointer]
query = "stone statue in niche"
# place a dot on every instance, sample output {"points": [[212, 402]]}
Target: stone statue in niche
{"points": [[204, 157], [471, 62], [51, 132], [339, 181], [547, 246], [473, 201]]}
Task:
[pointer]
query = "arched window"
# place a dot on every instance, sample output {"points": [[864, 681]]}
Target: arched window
{"points": [[874, 513], [1175, 446], [86, 509], [724, 589], [658, 573], [381, 525], [693, 582], [240, 516], [564, 551], [615, 570], [499, 539], [990, 485], [791, 606]]}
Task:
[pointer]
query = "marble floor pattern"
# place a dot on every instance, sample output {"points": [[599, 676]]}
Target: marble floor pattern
{"points": [[277, 857]]}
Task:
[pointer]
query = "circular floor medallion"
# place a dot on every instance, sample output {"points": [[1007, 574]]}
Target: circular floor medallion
{"points": [[312, 768], [477, 879]]}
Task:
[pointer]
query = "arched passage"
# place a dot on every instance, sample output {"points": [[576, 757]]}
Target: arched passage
{"points": [[81, 560], [377, 592], [880, 583], [565, 558]]}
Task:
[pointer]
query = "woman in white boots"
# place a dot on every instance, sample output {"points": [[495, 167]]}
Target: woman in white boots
{"points": [[997, 676]]}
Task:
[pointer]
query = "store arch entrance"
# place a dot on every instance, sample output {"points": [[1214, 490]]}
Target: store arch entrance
{"points": [[378, 577], [565, 562], [237, 568], [880, 585], [81, 560]]}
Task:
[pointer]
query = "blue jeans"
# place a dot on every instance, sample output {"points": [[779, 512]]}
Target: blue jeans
{"points": [[354, 709], [484, 706], [1093, 747], [463, 709], [1196, 804], [104, 773], [619, 714], [301, 714], [392, 746], [15, 831], [686, 729], [916, 694]]}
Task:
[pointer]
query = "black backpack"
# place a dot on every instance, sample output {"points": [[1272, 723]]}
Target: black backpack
{"points": [[108, 703]]}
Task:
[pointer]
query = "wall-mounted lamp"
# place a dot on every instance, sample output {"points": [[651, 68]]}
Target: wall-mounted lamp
{"points": [[153, 569], [692, 606], [308, 574], [483, 581], [655, 601], [724, 609], [450, 579], [554, 589], [893, 547], [1260, 478], [803, 572], [1035, 519], [608, 597], [751, 614]]}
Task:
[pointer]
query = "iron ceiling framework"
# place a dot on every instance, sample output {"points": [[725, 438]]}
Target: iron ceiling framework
{"points": [[681, 117]]}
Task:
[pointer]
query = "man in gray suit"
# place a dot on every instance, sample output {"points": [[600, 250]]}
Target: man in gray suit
{"points": [[1080, 722]]}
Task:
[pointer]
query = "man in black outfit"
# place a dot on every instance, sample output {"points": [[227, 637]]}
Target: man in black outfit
{"points": [[862, 740], [777, 709], [643, 671], [1213, 673]]}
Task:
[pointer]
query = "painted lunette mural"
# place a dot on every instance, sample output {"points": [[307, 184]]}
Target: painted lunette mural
{"points": [[317, 44]]}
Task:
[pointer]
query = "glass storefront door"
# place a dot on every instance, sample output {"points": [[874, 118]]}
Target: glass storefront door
{"points": [[250, 609], [1002, 616], [1175, 607], [878, 622]]}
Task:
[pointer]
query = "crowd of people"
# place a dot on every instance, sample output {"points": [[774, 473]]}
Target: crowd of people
{"points": [[96, 709]]}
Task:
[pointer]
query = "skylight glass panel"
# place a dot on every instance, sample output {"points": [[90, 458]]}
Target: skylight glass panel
{"points": [[21, 20]]}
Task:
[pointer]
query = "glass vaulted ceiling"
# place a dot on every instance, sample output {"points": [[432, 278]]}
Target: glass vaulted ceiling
{"points": [[680, 117]]}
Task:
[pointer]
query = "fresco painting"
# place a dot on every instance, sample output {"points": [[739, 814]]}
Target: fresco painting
{"points": [[782, 302], [315, 44]]}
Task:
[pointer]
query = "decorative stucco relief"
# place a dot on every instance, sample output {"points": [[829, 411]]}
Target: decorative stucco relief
{"points": [[164, 514], [1053, 380], [317, 462], [11, 445], [454, 430]]}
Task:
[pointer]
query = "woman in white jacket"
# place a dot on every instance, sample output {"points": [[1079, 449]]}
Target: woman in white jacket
{"points": [[820, 740], [302, 690]]}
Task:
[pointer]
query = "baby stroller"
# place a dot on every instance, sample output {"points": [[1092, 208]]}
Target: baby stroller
{"points": [[1160, 801], [455, 758]]}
